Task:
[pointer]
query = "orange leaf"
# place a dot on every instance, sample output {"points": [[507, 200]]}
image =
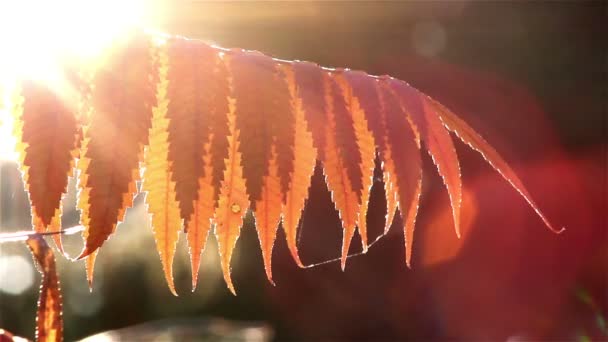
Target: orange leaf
{"points": [[437, 140], [304, 166], [346, 138], [367, 150], [263, 115], [47, 132], [310, 80], [233, 200], [198, 104], [390, 191], [49, 321], [158, 182], [89, 267], [117, 131], [191, 93], [268, 212], [215, 153], [478, 143], [365, 88], [403, 148], [200, 221], [337, 177]]}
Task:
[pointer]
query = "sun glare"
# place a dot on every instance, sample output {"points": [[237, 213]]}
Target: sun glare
{"points": [[37, 37]]}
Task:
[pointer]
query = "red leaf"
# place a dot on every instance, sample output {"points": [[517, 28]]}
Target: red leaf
{"points": [[191, 93], [367, 151], [403, 146], [268, 212], [122, 97], [233, 200], [304, 166], [437, 140], [158, 180], [309, 78], [478, 143], [263, 114], [48, 138], [337, 177]]}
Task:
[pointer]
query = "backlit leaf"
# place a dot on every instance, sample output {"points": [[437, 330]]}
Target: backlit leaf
{"points": [[263, 116], [367, 151], [403, 147], [478, 143], [310, 81], [304, 167], [268, 211], [335, 167], [225, 130], [233, 200], [436, 139], [47, 131], [158, 181], [190, 90], [365, 88], [122, 98]]}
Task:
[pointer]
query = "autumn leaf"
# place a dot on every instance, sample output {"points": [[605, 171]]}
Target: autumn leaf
{"points": [[310, 80], [233, 200], [367, 151], [403, 149], [225, 131], [263, 117], [198, 93], [478, 143], [365, 89], [117, 131], [158, 179], [336, 167], [304, 165], [47, 132], [49, 320], [268, 211], [199, 223], [437, 140]]}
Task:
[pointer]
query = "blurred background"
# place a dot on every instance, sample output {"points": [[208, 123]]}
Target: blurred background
{"points": [[531, 77]]}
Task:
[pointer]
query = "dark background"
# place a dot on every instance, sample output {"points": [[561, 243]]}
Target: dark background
{"points": [[528, 75]]}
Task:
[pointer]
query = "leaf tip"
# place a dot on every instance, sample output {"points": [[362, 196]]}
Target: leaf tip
{"points": [[270, 280], [194, 281], [458, 234], [89, 268], [269, 274], [227, 277], [231, 287], [296, 257], [169, 278], [194, 265]]}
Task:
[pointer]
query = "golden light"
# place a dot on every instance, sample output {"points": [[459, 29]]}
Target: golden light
{"points": [[38, 37]]}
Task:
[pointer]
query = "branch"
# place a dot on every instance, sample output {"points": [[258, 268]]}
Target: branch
{"points": [[24, 235]]}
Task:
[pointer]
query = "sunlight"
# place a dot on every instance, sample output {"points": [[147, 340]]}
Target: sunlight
{"points": [[38, 35], [7, 142], [38, 38]]}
